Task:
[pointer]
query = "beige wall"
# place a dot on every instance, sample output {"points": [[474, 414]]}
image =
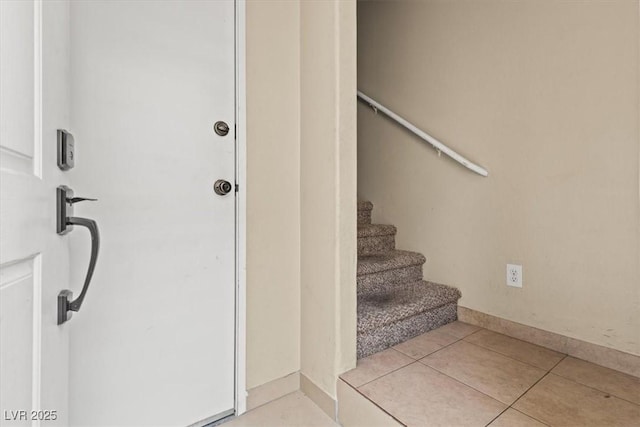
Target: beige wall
{"points": [[273, 190], [301, 190], [328, 190], [545, 95]]}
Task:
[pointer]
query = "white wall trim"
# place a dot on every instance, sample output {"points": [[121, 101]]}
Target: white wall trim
{"points": [[273, 390], [241, 211], [36, 386], [37, 88], [36, 367], [320, 397]]}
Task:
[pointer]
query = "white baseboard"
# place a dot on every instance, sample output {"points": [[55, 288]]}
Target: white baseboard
{"points": [[318, 396], [594, 353], [273, 390]]}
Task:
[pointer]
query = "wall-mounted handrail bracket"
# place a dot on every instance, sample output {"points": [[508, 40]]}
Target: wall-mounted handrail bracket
{"points": [[439, 146], [64, 223]]}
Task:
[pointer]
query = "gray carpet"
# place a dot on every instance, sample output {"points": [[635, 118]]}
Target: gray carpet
{"points": [[364, 212], [376, 238], [394, 303]]}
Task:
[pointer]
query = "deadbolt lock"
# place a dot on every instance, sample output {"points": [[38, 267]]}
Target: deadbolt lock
{"points": [[222, 187], [221, 128]]}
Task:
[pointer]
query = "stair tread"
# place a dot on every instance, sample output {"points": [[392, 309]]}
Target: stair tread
{"points": [[373, 230], [364, 205], [376, 310], [384, 281], [387, 261]]}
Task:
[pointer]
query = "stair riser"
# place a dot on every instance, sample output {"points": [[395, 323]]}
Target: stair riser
{"points": [[364, 216], [384, 281], [376, 244], [387, 336]]}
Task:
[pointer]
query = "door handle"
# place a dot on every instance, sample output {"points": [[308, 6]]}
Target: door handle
{"points": [[65, 222]]}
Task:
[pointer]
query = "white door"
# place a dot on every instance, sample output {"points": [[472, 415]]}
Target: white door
{"points": [[34, 263], [154, 344], [154, 341]]}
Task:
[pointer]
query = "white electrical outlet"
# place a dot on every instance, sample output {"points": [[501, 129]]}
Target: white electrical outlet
{"points": [[514, 275]]}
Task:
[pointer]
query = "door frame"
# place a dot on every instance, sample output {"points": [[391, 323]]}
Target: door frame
{"points": [[241, 212]]}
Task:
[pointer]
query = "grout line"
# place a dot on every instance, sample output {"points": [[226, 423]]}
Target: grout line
{"points": [[520, 397], [414, 360], [455, 379], [530, 416], [635, 377], [474, 332], [433, 352], [498, 416], [568, 379], [509, 406], [593, 388], [518, 339], [534, 384], [390, 372], [517, 360], [443, 347], [463, 383], [378, 406], [411, 357], [527, 391], [587, 385], [559, 361], [422, 357], [471, 387]]}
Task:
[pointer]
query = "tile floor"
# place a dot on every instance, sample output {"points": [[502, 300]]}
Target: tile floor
{"points": [[462, 375], [292, 410]]}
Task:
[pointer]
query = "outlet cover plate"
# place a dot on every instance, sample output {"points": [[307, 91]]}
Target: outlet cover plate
{"points": [[514, 275]]}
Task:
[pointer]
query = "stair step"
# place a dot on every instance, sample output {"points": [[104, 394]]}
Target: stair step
{"points": [[375, 311], [388, 261], [394, 303], [385, 320], [373, 230], [364, 205], [387, 280], [376, 239], [376, 340], [364, 212]]}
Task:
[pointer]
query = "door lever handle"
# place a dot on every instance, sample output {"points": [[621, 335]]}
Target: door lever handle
{"points": [[73, 200], [65, 304], [65, 223]]}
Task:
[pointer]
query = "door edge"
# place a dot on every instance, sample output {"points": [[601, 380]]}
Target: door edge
{"points": [[241, 217]]}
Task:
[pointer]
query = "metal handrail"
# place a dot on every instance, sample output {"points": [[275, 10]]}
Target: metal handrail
{"points": [[439, 146]]}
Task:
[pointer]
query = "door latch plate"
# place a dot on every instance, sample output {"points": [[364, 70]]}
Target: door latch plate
{"points": [[66, 150], [64, 298], [64, 209]]}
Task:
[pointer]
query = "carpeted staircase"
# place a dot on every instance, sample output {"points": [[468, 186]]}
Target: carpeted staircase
{"points": [[394, 303]]}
